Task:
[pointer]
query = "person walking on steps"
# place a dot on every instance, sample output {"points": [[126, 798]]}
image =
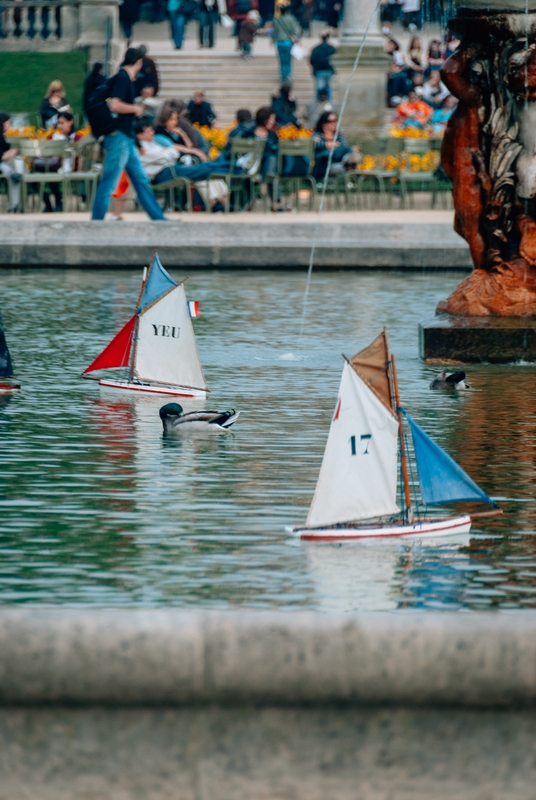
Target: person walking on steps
{"points": [[120, 145], [286, 32]]}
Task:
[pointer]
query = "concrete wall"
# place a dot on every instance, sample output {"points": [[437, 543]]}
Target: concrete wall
{"points": [[266, 706], [237, 243]]}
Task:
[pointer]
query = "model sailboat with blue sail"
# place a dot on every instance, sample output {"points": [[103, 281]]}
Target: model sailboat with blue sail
{"points": [[7, 385], [157, 345], [356, 493]]}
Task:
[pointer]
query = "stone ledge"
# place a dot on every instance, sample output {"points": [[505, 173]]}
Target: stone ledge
{"points": [[175, 657], [269, 243]]}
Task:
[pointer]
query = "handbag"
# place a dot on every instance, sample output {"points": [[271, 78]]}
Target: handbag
{"points": [[297, 52], [226, 21]]}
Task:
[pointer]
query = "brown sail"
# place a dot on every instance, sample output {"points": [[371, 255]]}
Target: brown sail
{"points": [[373, 365]]}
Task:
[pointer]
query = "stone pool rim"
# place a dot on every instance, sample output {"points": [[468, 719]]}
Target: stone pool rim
{"points": [[136, 657]]}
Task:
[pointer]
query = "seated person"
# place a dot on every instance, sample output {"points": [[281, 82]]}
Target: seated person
{"points": [[413, 113], [264, 129], [168, 131], [398, 84], [434, 90], [244, 122], [7, 167], [285, 107], [442, 115], [317, 107], [161, 163], [53, 101], [344, 157], [200, 111], [66, 132], [148, 101]]}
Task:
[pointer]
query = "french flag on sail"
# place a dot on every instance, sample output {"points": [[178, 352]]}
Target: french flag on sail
{"points": [[194, 308]]}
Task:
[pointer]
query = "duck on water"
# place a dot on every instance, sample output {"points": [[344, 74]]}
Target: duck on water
{"points": [[173, 419]]}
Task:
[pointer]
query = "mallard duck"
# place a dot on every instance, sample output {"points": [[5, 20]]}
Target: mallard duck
{"points": [[456, 380], [173, 419]]}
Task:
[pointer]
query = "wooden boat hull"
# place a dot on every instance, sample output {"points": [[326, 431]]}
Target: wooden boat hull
{"points": [[147, 388], [416, 530], [9, 388]]}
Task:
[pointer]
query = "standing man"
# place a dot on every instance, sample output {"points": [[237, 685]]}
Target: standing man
{"points": [[120, 145], [321, 64]]}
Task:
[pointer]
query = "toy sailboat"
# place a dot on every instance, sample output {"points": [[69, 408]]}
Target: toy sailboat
{"points": [[7, 386], [356, 493], [157, 344]]}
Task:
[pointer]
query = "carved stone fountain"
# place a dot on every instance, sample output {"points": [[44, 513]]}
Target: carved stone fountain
{"points": [[489, 152]]}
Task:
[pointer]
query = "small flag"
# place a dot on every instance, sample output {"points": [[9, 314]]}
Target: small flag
{"points": [[193, 308]]}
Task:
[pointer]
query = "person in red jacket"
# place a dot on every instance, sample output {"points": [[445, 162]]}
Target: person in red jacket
{"points": [[238, 11]]}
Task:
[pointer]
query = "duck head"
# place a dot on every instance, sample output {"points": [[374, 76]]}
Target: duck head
{"points": [[170, 410]]}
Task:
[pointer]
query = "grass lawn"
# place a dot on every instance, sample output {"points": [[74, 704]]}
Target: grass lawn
{"points": [[24, 78]]}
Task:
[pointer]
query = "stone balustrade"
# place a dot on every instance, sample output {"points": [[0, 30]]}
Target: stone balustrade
{"points": [[60, 26]]}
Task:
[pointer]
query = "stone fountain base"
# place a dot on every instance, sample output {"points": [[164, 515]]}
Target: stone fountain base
{"points": [[447, 339]]}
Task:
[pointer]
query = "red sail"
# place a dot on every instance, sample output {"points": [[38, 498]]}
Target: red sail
{"points": [[117, 353]]}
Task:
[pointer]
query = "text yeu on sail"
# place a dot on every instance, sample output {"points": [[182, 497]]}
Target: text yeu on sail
{"points": [[166, 330]]}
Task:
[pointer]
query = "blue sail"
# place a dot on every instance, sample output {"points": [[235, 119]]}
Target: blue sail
{"points": [[440, 478], [158, 283], [6, 367]]}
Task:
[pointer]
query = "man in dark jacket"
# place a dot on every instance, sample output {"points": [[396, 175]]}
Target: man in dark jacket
{"points": [[321, 64], [200, 111]]}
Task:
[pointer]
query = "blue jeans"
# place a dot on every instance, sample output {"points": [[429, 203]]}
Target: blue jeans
{"points": [[178, 23], [322, 79], [206, 28], [121, 154], [285, 59], [195, 172]]}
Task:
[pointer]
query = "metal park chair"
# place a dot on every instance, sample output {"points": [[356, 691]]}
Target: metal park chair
{"points": [[82, 182], [44, 150], [373, 188], [4, 191], [244, 180], [173, 190], [304, 150]]}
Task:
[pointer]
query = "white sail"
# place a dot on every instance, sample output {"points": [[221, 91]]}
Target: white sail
{"points": [[166, 351], [358, 477]]}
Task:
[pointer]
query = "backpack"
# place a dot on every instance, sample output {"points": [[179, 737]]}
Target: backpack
{"points": [[243, 6], [98, 114]]}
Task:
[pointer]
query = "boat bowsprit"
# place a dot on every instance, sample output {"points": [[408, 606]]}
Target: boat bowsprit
{"points": [[7, 385], [157, 346], [356, 492]]}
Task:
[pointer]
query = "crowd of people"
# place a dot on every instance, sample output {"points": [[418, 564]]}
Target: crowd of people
{"points": [[156, 141], [414, 86], [245, 18]]}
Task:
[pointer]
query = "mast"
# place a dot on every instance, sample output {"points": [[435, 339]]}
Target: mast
{"points": [[146, 271], [403, 454]]}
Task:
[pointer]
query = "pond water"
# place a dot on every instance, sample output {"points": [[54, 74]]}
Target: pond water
{"points": [[98, 508]]}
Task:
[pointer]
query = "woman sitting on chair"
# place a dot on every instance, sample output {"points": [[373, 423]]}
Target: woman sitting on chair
{"points": [[343, 158]]}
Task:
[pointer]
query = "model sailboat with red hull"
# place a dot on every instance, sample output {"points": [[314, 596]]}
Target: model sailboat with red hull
{"points": [[157, 345], [356, 493]]}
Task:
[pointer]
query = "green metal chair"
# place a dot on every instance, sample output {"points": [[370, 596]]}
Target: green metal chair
{"points": [[291, 184], [373, 188], [45, 150], [244, 179], [412, 183], [173, 190], [82, 182], [4, 190]]}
